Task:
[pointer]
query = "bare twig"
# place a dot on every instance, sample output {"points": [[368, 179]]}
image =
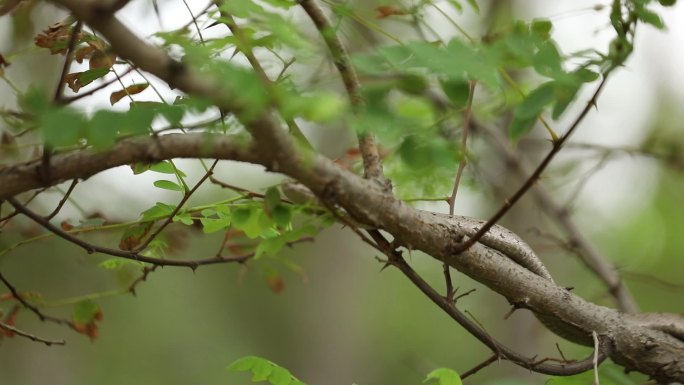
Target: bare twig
{"points": [[564, 369], [464, 142], [73, 38], [54, 212], [536, 174], [34, 309], [587, 253], [493, 358], [30, 336]]}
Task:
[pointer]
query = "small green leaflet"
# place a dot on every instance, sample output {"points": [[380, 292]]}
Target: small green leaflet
{"points": [[168, 185], [526, 113], [443, 376], [264, 370]]}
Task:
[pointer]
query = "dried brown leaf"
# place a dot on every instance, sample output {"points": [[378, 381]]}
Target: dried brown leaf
{"points": [[130, 90]]}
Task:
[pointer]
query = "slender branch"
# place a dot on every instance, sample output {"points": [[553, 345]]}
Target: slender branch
{"points": [[493, 358], [369, 149], [564, 369], [73, 38], [34, 309], [54, 212], [587, 253], [532, 180], [30, 336], [464, 142], [91, 248]]}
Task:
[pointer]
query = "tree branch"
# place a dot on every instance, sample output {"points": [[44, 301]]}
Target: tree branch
{"points": [[369, 149]]}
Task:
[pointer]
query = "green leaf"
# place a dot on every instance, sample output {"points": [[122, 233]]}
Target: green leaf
{"points": [[244, 364], [271, 198], [280, 376], [168, 185], [282, 215], [565, 94], [548, 61], [61, 127], [158, 211], [443, 376], [242, 215], [536, 101], [104, 128], [211, 225], [264, 370], [184, 218], [458, 91], [84, 311], [667, 3], [520, 126], [650, 17], [412, 84], [89, 76], [138, 120], [541, 28]]}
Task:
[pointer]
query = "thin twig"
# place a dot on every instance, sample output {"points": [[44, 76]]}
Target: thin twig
{"points": [[587, 253], [493, 358], [457, 180], [91, 248], [532, 179], [34, 309], [596, 350], [54, 212], [564, 369], [464, 143], [73, 38], [30, 336]]}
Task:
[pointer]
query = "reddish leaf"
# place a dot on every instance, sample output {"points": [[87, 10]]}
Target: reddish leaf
{"points": [[11, 320], [84, 53], [133, 235], [3, 63], [85, 318], [130, 90], [276, 283], [55, 38], [384, 11], [72, 81], [66, 226]]}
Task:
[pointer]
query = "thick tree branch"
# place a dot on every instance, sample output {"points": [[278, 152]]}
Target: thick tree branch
{"points": [[84, 163], [588, 254]]}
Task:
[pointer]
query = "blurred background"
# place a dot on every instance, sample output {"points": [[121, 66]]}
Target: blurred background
{"points": [[342, 319]]}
